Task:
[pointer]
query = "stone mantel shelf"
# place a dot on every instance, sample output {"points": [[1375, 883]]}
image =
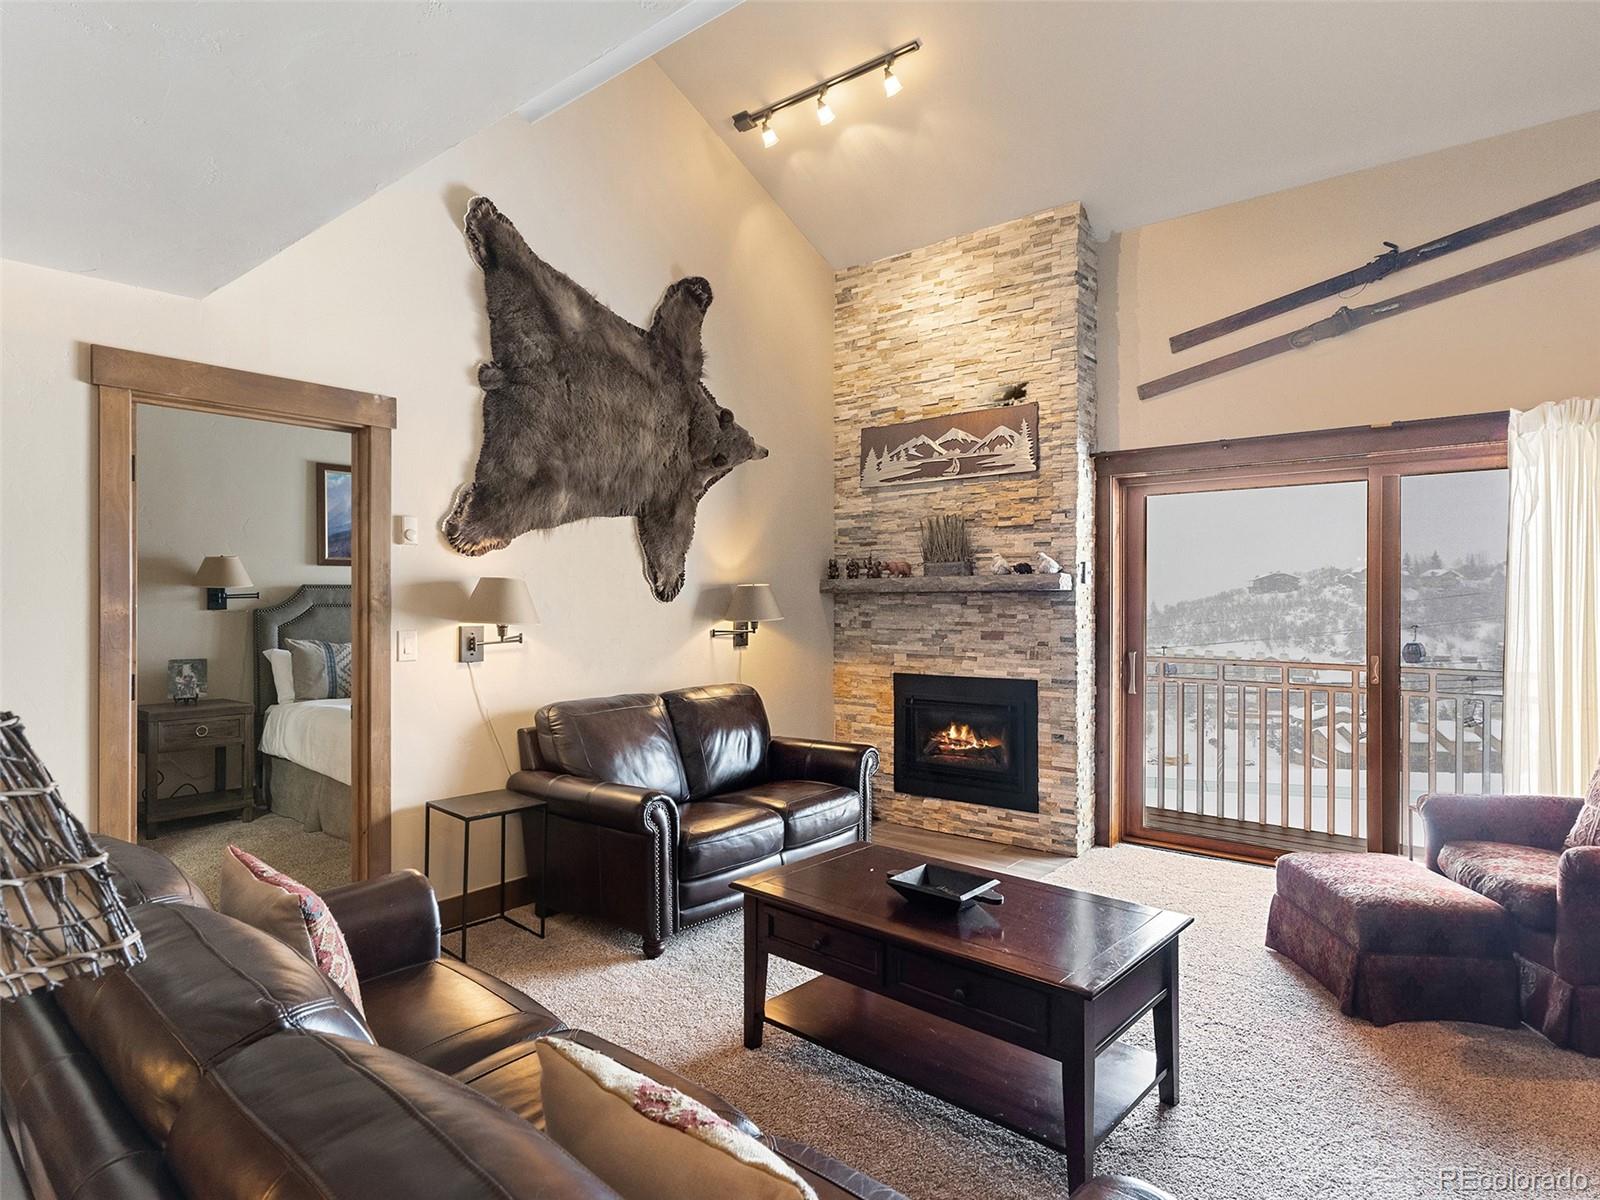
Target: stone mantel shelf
{"points": [[1048, 585]]}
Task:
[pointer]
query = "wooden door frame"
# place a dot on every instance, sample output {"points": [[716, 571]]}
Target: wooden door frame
{"points": [[1382, 454], [124, 379]]}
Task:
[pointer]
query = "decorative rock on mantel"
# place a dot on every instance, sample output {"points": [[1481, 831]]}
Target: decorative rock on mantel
{"points": [[1049, 585]]}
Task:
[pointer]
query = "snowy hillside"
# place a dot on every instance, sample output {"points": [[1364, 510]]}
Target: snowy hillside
{"points": [[1320, 616]]}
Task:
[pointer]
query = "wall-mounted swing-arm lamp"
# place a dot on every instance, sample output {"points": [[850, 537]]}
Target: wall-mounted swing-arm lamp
{"points": [[748, 606], [219, 574], [499, 602]]}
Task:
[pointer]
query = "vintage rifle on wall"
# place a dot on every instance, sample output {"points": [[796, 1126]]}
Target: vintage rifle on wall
{"points": [[1347, 318], [1392, 260]]}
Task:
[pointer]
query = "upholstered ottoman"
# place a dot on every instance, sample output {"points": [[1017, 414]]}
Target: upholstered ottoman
{"points": [[1394, 941]]}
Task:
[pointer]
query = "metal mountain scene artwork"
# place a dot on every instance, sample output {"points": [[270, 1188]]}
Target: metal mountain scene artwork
{"points": [[968, 445]]}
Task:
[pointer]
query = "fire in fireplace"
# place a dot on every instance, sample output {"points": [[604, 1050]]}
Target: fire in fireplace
{"points": [[961, 738]]}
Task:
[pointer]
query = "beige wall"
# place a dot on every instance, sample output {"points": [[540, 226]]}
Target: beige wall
{"points": [[1513, 344], [627, 190]]}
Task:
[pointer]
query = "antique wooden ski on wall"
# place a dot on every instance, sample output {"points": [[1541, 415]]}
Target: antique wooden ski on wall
{"points": [[1392, 260], [1347, 319]]}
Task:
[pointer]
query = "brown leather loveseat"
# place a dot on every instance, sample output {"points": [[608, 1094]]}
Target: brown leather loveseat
{"points": [[658, 803], [227, 1067]]}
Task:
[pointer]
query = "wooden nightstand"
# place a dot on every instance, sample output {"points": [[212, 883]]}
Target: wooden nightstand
{"points": [[215, 725]]}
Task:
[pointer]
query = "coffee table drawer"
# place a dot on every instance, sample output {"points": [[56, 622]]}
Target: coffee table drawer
{"points": [[1013, 1011], [834, 951]]}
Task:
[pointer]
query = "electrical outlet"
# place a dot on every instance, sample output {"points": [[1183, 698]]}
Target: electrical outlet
{"points": [[405, 645]]}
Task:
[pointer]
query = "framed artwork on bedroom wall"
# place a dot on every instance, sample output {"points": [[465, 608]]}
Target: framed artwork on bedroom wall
{"points": [[334, 509]]}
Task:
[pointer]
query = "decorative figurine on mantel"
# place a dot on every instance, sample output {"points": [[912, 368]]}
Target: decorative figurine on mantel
{"points": [[1023, 568], [874, 567], [999, 566], [852, 568], [898, 569], [1048, 565], [833, 568]]}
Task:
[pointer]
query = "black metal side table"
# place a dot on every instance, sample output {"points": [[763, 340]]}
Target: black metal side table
{"points": [[479, 807]]}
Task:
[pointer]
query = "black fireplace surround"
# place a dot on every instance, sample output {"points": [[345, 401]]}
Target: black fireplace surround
{"points": [[967, 739]]}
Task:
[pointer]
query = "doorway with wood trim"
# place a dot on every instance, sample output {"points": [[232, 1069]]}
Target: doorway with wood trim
{"points": [[1257, 694], [125, 380]]}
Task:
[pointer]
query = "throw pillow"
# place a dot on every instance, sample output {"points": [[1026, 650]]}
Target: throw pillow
{"points": [[282, 664], [272, 902], [650, 1141], [1586, 830], [322, 670]]}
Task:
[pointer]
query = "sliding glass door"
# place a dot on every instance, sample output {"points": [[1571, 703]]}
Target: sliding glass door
{"points": [[1308, 650], [1453, 634]]}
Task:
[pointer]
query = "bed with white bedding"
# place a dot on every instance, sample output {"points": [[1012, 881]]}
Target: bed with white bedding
{"points": [[303, 746]]}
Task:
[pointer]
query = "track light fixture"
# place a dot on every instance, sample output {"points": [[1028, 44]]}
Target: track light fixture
{"points": [[759, 118]]}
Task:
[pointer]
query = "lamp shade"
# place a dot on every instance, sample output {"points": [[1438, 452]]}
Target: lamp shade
{"points": [[753, 602], [60, 915], [222, 571], [501, 601]]}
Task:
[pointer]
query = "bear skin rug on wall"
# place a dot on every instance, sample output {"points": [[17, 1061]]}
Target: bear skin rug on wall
{"points": [[587, 415]]}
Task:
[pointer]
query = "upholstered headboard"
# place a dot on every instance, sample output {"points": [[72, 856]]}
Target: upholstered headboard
{"points": [[317, 612]]}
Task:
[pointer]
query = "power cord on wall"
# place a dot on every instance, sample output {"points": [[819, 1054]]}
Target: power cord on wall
{"points": [[487, 724]]}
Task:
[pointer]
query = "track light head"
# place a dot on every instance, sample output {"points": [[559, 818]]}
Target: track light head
{"points": [[824, 113], [769, 136], [891, 81]]}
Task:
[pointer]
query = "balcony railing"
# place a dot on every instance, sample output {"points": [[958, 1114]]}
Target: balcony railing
{"points": [[1277, 750]]}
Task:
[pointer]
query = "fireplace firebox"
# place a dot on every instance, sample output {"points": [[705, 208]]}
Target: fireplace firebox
{"points": [[967, 739]]}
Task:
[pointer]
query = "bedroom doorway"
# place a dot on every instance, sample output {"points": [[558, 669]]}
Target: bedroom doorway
{"points": [[243, 663], [243, 646]]}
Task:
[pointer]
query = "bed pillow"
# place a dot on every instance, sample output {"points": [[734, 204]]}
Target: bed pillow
{"points": [[282, 664], [322, 670], [270, 901], [1586, 831], [650, 1141]]}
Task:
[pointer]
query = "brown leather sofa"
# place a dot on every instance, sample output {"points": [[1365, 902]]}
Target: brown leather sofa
{"points": [[658, 803], [227, 1067]]}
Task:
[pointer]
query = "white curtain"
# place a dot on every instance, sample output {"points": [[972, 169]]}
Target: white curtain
{"points": [[1552, 681]]}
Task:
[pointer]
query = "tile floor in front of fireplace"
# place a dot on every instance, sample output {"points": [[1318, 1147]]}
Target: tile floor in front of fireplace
{"points": [[985, 856]]}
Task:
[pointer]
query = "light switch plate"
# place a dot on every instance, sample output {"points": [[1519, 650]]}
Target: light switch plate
{"points": [[405, 645]]}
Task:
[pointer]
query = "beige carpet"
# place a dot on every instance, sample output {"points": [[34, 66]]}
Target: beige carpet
{"points": [[1282, 1096], [315, 859]]}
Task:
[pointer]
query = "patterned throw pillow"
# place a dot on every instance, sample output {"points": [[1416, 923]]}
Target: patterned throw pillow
{"points": [[1586, 832], [322, 670], [650, 1141], [270, 901]]}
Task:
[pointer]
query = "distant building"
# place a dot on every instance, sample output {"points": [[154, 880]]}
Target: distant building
{"points": [[1277, 581]]}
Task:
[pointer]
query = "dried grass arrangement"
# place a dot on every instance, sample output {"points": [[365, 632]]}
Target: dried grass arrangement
{"points": [[946, 546]]}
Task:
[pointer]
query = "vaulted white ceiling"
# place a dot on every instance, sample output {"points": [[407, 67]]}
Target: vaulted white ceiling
{"points": [[177, 145], [1142, 110]]}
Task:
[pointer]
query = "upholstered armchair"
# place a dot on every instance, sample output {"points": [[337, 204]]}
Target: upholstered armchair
{"points": [[656, 804], [1522, 853]]}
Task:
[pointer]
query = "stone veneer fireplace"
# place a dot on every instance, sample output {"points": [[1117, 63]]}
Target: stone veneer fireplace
{"points": [[940, 330]]}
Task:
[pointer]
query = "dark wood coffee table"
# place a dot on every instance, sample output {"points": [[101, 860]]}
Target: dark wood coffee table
{"points": [[1012, 1012]]}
